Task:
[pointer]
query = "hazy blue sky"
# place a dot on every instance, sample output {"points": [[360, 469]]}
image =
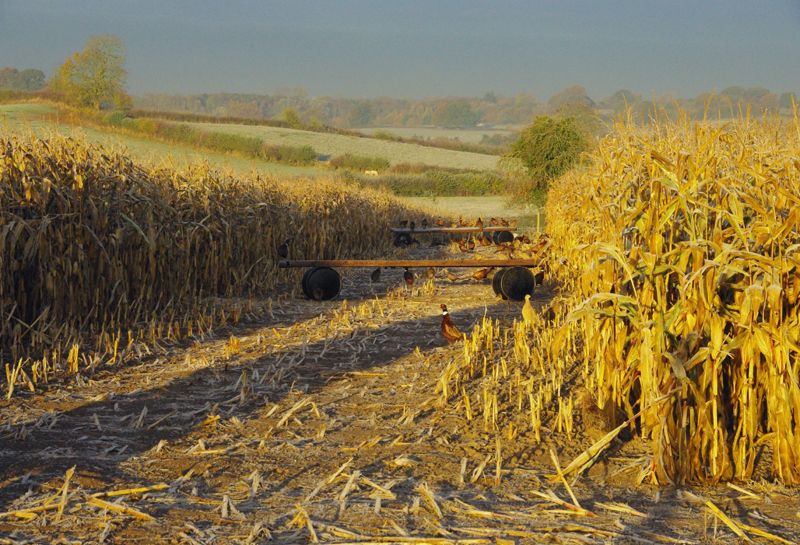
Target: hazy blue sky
{"points": [[421, 48]]}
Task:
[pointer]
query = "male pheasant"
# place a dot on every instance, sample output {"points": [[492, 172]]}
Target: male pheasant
{"points": [[449, 329], [408, 276]]}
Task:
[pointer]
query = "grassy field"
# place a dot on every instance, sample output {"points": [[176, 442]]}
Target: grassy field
{"points": [[338, 144], [469, 136], [35, 118]]}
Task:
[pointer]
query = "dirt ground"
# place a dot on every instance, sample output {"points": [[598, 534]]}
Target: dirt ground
{"points": [[323, 425]]}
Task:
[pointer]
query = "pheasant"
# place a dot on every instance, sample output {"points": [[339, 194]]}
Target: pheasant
{"points": [[408, 276], [482, 274], [376, 275], [528, 314], [283, 249], [449, 329]]}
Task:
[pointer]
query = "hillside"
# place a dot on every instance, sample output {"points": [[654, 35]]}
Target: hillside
{"points": [[41, 119], [338, 144]]}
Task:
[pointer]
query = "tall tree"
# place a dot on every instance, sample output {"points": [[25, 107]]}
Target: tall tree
{"points": [[94, 77]]}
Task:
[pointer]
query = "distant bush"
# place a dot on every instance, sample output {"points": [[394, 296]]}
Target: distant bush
{"points": [[359, 162], [440, 183], [386, 135], [294, 155], [546, 150]]}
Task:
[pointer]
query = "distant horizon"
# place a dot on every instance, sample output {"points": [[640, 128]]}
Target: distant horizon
{"points": [[310, 95], [413, 50]]}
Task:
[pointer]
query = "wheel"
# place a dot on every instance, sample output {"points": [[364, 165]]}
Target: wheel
{"points": [[321, 283], [502, 237], [402, 239], [517, 282], [496, 281]]}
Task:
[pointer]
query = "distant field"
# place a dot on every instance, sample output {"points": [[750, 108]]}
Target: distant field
{"points": [[486, 207], [469, 136], [24, 118], [338, 144]]}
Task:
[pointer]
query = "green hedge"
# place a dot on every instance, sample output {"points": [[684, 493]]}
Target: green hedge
{"points": [[440, 183], [359, 162], [213, 140]]}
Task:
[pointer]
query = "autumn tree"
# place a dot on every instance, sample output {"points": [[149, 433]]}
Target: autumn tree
{"points": [[94, 77], [545, 150]]}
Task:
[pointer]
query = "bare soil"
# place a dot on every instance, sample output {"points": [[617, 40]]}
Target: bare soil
{"points": [[324, 425]]}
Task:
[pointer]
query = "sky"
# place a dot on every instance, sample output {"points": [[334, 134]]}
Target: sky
{"points": [[414, 49]]}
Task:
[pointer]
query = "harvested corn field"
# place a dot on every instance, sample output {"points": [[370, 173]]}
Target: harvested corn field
{"points": [[355, 421]]}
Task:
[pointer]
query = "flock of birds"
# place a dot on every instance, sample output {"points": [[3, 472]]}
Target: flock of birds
{"points": [[439, 222]]}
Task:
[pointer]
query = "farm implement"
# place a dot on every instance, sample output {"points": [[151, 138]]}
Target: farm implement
{"points": [[322, 282]]}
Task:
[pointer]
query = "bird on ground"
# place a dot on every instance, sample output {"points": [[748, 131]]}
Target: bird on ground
{"points": [[452, 277], [430, 273], [528, 313], [376, 275], [493, 221], [283, 249], [462, 246], [424, 223], [439, 222], [508, 250], [482, 274], [479, 223], [449, 329], [408, 276], [504, 222], [484, 241], [461, 222], [470, 245]]}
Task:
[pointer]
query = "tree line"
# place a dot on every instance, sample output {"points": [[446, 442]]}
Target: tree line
{"points": [[95, 77]]}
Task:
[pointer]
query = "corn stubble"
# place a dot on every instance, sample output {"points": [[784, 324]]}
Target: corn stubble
{"points": [[680, 268], [98, 253]]}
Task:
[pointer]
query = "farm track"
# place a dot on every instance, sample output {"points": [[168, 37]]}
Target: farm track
{"points": [[324, 424]]}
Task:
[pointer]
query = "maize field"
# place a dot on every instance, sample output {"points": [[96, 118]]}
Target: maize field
{"points": [[99, 254], [677, 254]]}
